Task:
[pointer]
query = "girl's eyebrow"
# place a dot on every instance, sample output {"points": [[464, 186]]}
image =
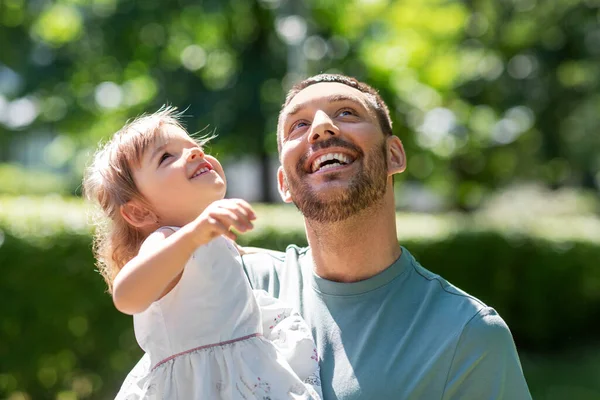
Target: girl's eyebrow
{"points": [[158, 150]]}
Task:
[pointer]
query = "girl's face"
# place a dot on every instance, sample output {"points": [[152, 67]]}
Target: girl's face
{"points": [[177, 179]]}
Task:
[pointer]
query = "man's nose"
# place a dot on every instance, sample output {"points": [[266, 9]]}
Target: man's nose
{"points": [[322, 127]]}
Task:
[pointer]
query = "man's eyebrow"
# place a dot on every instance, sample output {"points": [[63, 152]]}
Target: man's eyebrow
{"points": [[334, 98]]}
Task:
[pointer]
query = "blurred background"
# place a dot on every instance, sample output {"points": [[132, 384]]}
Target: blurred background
{"points": [[496, 101]]}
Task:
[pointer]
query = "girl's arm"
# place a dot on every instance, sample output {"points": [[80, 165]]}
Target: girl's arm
{"points": [[161, 259]]}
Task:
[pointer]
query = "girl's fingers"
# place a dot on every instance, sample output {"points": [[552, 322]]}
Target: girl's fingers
{"points": [[241, 215], [231, 235], [247, 208], [230, 218], [219, 228], [240, 205]]}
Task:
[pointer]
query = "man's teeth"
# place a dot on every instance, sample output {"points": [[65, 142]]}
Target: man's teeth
{"points": [[329, 166], [200, 171], [338, 159]]}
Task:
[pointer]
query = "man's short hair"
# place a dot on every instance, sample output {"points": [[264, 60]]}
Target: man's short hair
{"points": [[374, 99]]}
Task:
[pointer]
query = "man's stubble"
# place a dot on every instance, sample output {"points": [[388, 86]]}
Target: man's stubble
{"points": [[365, 189]]}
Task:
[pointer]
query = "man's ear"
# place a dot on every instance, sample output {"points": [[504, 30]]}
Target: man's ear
{"points": [[138, 215], [284, 191], [395, 155]]}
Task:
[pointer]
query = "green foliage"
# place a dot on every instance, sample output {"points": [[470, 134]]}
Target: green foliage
{"points": [[483, 92], [59, 331], [81, 69], [565, 375], [17, 180], [60, 334]]}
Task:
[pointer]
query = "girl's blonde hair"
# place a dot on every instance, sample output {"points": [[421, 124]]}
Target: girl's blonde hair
{"points": [[109, 182]]}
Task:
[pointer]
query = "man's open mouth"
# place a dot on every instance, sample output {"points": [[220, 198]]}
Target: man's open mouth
{"points": [[330, 160]]}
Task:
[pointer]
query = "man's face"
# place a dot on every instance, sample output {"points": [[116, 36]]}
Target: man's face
{"points": [[334, 155]]}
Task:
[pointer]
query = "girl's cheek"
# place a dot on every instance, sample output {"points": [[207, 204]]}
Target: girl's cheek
{"points": [[216, 165]]}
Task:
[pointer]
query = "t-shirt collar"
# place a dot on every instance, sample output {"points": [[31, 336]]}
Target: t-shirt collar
{"points": [[333, 288]]}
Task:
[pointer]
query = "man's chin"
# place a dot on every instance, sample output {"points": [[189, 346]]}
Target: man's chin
{"points": [[323, 206], [329, 193], [326, 183]]}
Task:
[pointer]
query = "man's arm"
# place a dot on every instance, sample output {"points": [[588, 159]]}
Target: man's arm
{"points": [[486, 365]]}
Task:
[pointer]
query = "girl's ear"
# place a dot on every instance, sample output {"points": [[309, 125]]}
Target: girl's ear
{"points": [[284, 191], [396, 156], [138, 215]]}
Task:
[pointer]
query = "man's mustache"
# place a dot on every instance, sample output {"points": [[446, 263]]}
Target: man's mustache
{"points": [[331, 142]]}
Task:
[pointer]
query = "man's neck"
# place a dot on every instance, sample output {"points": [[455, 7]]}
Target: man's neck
{"points": [[358, 247]]}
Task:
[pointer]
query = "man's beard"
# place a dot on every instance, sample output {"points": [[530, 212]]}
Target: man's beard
{"points": [[365, 189]]}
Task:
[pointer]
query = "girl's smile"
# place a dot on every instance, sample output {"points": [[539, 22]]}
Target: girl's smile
{"points": [[201, 169]]}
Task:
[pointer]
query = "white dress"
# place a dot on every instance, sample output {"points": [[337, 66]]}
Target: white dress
{"points": [[212, 337]]}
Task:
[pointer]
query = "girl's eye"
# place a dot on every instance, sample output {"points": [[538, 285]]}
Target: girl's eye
{"points": [[346, 112], [163, 158]]}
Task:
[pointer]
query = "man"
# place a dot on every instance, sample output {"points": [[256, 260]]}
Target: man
{"points": [[385, 327]]}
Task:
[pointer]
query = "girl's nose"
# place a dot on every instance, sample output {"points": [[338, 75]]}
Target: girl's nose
{"points": [[195, 152]]}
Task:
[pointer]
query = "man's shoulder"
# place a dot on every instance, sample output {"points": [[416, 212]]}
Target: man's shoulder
{"points": [[255, 257], [475, 326], [447, 296], [266, 267]]}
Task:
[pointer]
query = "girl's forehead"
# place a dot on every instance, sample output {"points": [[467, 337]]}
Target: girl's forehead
{"points": [[169, 132], [159, 138], [165, 135]]}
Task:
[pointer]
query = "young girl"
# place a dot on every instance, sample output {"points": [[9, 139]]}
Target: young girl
{"points": [[165, 249]]}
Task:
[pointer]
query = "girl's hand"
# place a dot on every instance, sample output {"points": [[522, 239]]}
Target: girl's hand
{"points": [[219, 217]]}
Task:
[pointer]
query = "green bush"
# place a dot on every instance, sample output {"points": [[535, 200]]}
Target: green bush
{"points": [[59, 331], [60, 336], [17, 180]]}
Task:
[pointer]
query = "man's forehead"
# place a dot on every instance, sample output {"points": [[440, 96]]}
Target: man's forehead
{"points": [[324, 92]]}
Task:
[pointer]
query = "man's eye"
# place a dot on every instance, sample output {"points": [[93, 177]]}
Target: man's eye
{"points": [[299, 124], [163, 158], [295, 128]]}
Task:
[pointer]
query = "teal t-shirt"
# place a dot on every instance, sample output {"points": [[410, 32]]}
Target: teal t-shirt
{"points": [[405, 333]]}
